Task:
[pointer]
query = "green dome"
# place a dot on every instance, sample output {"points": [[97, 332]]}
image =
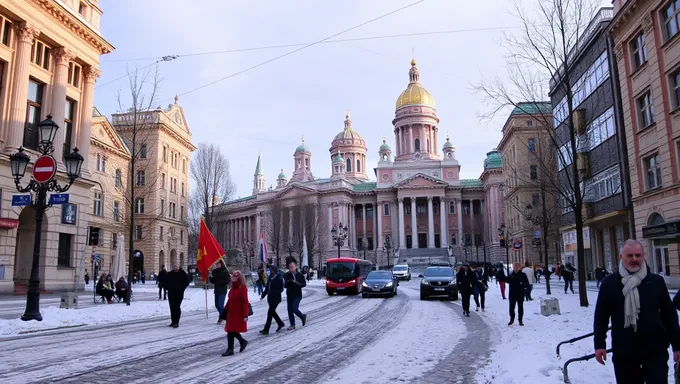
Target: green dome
{"points": [[384, 146], [448, 143], [494, 160], [338, 159], [282, 175], [302, 147]]}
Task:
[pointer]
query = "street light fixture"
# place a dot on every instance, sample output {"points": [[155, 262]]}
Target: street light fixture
{"points": [[19, 160], [339, 234]]}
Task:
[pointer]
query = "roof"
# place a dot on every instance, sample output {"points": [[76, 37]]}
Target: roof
{"points": [[415, 93], [532, 108], [258, 168], [493, 160], [242, 199], [471, 183], [365, 187]]}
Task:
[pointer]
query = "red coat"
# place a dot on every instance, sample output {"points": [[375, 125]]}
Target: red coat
{"points": [[237, 308]]}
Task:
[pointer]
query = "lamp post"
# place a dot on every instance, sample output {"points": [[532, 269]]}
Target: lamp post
{"points": [[41, 185], [503, 235], [364, 245], [538, 221], [387, 247], [339, 234], [290, 253]]}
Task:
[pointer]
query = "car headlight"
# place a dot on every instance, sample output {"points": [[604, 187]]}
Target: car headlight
{"points": [[388, 284], [353, 281], [364, 284], [425, 282]]}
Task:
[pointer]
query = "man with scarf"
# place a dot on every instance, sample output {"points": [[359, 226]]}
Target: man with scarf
{"points": [[644, 322]]}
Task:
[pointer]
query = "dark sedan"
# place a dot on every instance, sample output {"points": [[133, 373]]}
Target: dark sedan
{"points": [[379, 283], [438, 282]]}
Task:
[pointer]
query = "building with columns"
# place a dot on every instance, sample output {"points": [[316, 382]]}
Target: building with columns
{"points": [[49, 59], [418, 206]]}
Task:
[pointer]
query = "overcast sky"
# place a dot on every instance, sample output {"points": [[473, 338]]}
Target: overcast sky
{"points": [[268, 109]]}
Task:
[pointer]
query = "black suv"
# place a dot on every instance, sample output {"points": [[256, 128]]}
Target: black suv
{"points": [[438, 282]]}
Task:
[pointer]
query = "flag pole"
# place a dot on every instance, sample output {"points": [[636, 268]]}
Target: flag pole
{"points": [[205, 288]]}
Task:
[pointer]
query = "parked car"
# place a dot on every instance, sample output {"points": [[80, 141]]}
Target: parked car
{"points": [[379, 283], [438, 282], [402, 272], [440, 264]]}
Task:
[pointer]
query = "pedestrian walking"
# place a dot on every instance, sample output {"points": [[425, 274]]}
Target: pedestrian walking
{"points": [[643, 320], [558, 271], [294, 282], [600, 274], [567, 273], [236, 312], [272, 291], [481, 286], [501, 279], [143, 276], [466, 280], [176, 282], [261, 280], [518, 283], [220, 280], [87, 278], [160, 281], [531, 278]]}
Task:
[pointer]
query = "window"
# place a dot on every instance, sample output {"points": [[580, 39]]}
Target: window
{"points": [[64, 252], [564, 158], [165, 154], [81, 9], [533, 172], [97, 206], [161, 232], [118, 178], [162, 206], [139, 205], [33, 114], [141, 178], [675, 84], [181, 236], [478, 239], [531, 143], [677, 152], [358, 212], [653, 169], [40, 54], [5, 31], [182, 189], [181, 212], [417, 145], [369, 212], [420, 209], [349, 165], [466, 209], [101, 163], [671, 19], [171, 210], [638, 50], [68, 124], [453, 239], [386, 208], [184, 165], [530, 123], [476, 208], [600, 129], [162, 180], [435, 209], [452, 207], [142, 151], [74, 71], [535, 199], [358, 165], [138, 232], [114, 240], [116, 211], [645, 110], [604, 184], [407, 210]]}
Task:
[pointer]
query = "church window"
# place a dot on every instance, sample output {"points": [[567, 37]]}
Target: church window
{"points": [[387, 209], [453, 239], [349, 165], [358, 165], [417, 145], [452, 207]]}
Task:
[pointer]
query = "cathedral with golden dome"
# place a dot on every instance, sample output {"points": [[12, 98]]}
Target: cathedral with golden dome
{"points": [[413, 207]]}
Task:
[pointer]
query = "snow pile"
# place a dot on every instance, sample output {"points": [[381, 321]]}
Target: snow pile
{"points": [[527, 354]]}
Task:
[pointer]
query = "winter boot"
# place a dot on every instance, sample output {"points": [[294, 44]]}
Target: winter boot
{"points": [[512, 321], [280, 327], [264, 332], [304, 320], [291, 328], [228, 352], [244, 344]]}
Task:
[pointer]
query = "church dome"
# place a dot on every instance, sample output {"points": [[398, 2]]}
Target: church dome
{"points": [[338, 159], [384, 146], [448, 143], [302, 147], [282, 175], [494, 160], [347, 134], [415, 94]]}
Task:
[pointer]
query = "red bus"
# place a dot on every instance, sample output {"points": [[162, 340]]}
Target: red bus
{"points": [[345, 275]]}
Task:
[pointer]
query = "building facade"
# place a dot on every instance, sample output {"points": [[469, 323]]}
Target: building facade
{"points": [[647, 50], [49, 59], [418, 208], [530, 172], [161, 150]]}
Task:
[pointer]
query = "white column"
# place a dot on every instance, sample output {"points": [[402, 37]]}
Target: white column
{"points": [[353, 228], [14, 128], [402, 230], [378, 241], [460, 222], [414, 223], [442, 223], [62, 56], [330, 226], [290, 225], [396, 142], [363, 208], [430, 223], [410, 138], [340, 218], [86, 104]]}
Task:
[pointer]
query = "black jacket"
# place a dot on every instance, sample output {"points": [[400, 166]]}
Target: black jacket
{"points": [[657, 324], [500, 275], [482, 278], [518, 283], [274, 288], [294, 283], [176, 282], [600, 273], [466, 280], [162, 276], [220, 278]]}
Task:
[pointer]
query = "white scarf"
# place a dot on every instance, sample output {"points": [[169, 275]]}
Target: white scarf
{"points": [[631, 295]]}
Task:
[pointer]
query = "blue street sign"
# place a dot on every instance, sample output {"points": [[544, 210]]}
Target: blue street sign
{"points": [[21, 200], [59, 198]]}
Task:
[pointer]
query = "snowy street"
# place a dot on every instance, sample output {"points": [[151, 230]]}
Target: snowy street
{"points": [[347, 339]]}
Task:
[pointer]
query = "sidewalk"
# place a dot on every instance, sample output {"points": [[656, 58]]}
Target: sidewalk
{"points": [[591, 286]]}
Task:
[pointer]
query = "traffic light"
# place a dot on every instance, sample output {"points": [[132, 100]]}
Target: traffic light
{"points": [[502, 241]]}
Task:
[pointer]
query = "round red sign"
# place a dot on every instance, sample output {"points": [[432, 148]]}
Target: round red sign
{"points": [[44, 169]]}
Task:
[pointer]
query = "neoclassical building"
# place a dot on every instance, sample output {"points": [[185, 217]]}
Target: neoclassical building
{"points": [[418, 205]]}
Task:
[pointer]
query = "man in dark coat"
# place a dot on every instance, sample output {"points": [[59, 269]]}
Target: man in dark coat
{"points": [[160, 281], [294, 282], [600, 274], [273, 290], [466, 280], [501, 279], [518, 284], [176, 282], [220, 279], [644, 322]]}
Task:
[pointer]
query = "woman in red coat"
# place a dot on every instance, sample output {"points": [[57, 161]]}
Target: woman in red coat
{"points": [[236, 311]]}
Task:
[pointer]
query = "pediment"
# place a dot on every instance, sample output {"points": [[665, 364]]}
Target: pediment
{"points": [[175, 113], [295, 191], [104, 134], [421, 180]]}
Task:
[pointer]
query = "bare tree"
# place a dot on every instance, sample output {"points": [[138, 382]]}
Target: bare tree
{"points": [[313, 217], [539, 55], [210, 171], [274, 228], [194, 213]]}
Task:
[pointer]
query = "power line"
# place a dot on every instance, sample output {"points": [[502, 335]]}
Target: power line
{"points": [[266, 47], [299, 49], [164, 58]]}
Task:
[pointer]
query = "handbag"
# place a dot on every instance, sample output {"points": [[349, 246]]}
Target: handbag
{"points": [[250, 310]]}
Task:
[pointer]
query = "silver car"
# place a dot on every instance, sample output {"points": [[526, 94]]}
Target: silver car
{"points": [[401, 272]]}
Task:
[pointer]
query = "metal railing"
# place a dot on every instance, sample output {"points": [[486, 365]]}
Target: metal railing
{"points": [[565, 368]]}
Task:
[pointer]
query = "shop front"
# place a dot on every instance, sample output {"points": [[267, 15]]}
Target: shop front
{"points": [[662, 240]]}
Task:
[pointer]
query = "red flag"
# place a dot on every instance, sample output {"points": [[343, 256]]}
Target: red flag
{"points": [[209, 251]]}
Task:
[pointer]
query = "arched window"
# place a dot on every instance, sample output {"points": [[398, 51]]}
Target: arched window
{"points": [[349, 165], [656, 219], [428, 145], [417, 145], [358, 165]]}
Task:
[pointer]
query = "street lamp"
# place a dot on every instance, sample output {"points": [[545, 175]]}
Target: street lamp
{"points": [[387, 247], [503, 234], [19, 160], [339, 234], [364, 245]]}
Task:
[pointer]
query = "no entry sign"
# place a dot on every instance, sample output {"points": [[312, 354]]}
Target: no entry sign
{"points": [[44, 169]]}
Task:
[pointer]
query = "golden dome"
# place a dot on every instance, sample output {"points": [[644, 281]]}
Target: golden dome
{"points": [[415, 94]]}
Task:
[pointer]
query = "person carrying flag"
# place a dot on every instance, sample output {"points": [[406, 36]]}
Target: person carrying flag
{"points": [[209, 253]]}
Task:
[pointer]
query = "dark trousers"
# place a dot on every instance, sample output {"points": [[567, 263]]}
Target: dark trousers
{"points": [[165, 293], [648, 369], [599, 281], [219, 303], [175, 301], [271, 314], [479, 293], [568, 284], [230, 339], [519, 301], [293, 308], [527, 292], [465, 296]]}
